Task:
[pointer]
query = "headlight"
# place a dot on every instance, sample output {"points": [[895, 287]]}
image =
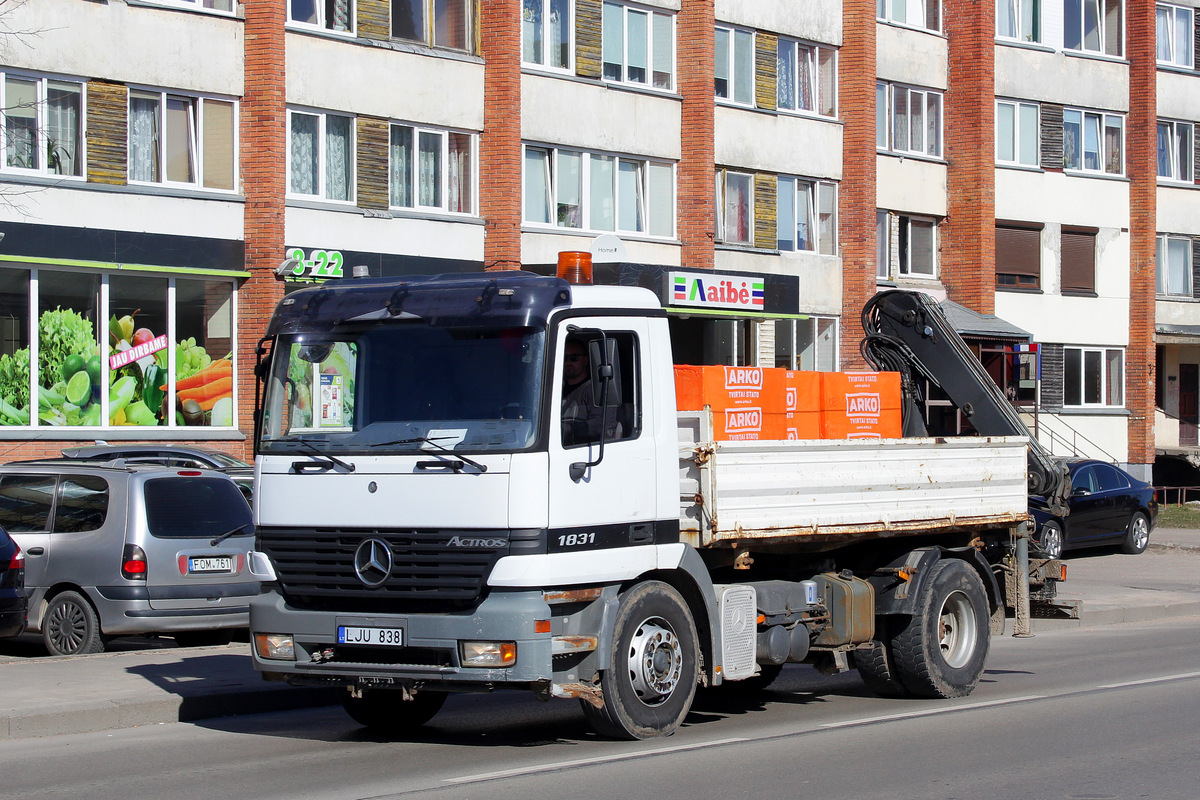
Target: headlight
{"points": [[275, 646], [488, 654]]}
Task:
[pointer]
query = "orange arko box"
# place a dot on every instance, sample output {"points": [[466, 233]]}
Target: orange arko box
{"points": [[752, 402], [860, 405]]}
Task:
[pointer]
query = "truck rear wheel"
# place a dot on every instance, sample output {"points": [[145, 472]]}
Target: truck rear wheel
{"points": [[650, 680], [386, 711], [877, 664], [941, 650]]}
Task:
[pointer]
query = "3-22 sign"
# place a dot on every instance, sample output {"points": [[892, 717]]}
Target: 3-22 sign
{"points": [[318, 265]]}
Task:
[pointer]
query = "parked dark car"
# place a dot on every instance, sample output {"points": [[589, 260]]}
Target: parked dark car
{"points": [[12, 586], [171, 455], [1108, 506]]}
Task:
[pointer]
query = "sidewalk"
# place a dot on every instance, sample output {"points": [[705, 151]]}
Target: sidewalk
{"points": [[52, 696]]}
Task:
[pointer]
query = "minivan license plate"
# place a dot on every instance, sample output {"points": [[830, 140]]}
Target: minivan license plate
{"points": [[387, 637], [211, 564]]}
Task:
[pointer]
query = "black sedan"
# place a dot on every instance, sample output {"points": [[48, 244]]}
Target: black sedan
{"points": [[1108, 506], [12, 586]]}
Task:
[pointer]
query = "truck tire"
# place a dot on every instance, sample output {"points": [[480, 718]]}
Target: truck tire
{"points": [[650, 680], [1137, 536], [386, 711], [70, 626], [877, 664], [941, 650]]}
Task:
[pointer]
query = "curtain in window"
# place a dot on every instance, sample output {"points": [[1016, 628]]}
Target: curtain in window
{"points": [[1006, 18], [804, 211], [1091, 25], [569, 189], [916, 123], [429, 169], [180, 139], [560, 33], [785, 70], [537, 184], [738, 211], [400, 163], [531, 31], [638, 59], [826, 81], [62, 129], [1164, 150], [1114, 374], [804, 78], [1091, 141], [630, 199], [459, 178], [339, 15], [933, 119], [1072, 135], [613, 41], [20, 114], [303, 177], [664, 51], [337, 158], [1179, 258], [1113, 141], [218, 144], [1183, 33], [1163, 38], [881, 115], [143, 138], [743, 71], [721, 63], [900, 122]]}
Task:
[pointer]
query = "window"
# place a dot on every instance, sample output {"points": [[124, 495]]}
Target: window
{"points": [[439, 23], [1094, 26], [431, 169], [806, 78], [321, 155], [547, 29], [1016, 133], [1175, 144], [25, 502], [207, 5], [599, 192], [908, 120], [734, 62], [1093, 377], [906, 244], [1093, 141], [1175, 42], [806, 215], [82, 504], [177, 139], [43, 125], [1174, 265], [330, 15], [735, 207], [639, 46], [1018, 257], [914, 13], [1078, 261], [809, 344], [1019, 19], [587, 409]]}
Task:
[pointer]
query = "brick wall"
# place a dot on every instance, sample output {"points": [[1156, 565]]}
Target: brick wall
{"points": [[1140, 149], [968, 236], [695, 204], [856, 194], [500, 144]]}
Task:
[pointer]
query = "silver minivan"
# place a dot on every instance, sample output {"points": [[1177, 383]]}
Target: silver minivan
{"points": [[126, 548]]}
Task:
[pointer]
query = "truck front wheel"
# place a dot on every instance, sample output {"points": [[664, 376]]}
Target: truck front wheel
{"points": [[650, 680], [941, 650], [386, 711]]}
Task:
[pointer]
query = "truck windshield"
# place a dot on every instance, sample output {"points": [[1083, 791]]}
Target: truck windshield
{"points": [[404, 387]]}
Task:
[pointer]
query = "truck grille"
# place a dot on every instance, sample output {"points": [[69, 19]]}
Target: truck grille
{"points": [[430, 569]]}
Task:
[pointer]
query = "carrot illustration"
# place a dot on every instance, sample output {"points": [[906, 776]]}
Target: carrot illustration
{"points": [[213, 372], [208, 394]]}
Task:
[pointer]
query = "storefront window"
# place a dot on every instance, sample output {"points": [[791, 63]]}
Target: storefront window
{"points": [[137, 349], [14, 347], [808, 344], [70, 365], [204, 353]]}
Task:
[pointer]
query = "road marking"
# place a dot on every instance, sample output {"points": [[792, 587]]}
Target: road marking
{"points": [[946, 710], [584, 762], [1163, 679]]}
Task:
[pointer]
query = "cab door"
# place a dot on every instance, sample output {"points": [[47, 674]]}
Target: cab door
{"points": [[602, 497]]}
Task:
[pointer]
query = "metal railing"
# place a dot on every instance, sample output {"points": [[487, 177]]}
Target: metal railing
{"points": [[1073, 440], [1181, 494]]}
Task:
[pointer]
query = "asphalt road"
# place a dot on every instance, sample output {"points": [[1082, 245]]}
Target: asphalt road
{"points": [[1086, 714]]}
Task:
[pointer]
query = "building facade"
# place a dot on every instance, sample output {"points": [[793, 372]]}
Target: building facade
{"points": [[1030, 162]]}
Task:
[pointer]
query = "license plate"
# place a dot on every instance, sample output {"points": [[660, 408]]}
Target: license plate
{"points": [[386, 637], [211, 564]]}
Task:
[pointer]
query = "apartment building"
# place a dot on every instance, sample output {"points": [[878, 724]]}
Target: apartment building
{"points": [[1031, 164]]}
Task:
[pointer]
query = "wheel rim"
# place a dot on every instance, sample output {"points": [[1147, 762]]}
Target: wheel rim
{"points": [[1141, 532], [956, 629], [1052, 541], [655, 661], [68, 627]]}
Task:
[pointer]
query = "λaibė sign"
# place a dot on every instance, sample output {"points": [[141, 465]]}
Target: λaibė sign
{"points": [[707, 290]]}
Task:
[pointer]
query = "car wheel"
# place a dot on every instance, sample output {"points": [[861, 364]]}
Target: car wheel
{"points": [[204, 638], [1137, 535], [1051, 539], [71, 627], [386, 711]]}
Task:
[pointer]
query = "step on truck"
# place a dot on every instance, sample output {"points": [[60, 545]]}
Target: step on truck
{"points": [[431, 520]]}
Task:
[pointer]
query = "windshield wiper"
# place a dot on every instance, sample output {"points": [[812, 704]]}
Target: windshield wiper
{"points": [[443, 448], [218, 539], [316, 451]]}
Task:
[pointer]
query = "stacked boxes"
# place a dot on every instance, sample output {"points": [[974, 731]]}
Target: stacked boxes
{"points": [[763, 403]]}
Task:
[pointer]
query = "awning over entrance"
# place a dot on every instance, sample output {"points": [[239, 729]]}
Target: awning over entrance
{"points": [[973, 325], [1177, 334]]}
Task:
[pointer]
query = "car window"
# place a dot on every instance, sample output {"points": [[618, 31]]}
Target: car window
{"points": [[82, 504], [25, 502], [1109, 478], [184, 508], [1084, 479]]}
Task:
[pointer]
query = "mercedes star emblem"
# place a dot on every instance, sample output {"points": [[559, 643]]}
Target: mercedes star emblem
{"points": [[373, 562]]}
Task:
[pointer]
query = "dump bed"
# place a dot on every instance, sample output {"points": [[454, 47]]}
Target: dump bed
{"points": [[826, 493]]}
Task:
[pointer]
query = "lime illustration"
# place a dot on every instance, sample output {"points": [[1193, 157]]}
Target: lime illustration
{"points": [[94, 369], [72, 364], [79, 388]]}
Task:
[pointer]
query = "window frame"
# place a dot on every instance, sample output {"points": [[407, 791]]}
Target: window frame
{"points": [[886, 121], [1163, 282], [1176, 160], [429, 36], [1024, 236], [888, 11], [545, 29], [43, 84], [1172, 37], [1102, 32], [817, 194], [1103, 371], [1018, 120], [722, 184], [444, 173], [1102, 154], [321, 24], [731, 66], [322, 185], [196, 138], [820, 69], [820, 359], [653, 17], [1019, 20], [199, 6]]}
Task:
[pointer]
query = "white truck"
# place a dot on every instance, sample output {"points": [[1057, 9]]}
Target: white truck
{"points": [[427, 521]]}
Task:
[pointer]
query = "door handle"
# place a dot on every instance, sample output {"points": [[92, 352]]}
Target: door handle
{"points": [[35, 551]]}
